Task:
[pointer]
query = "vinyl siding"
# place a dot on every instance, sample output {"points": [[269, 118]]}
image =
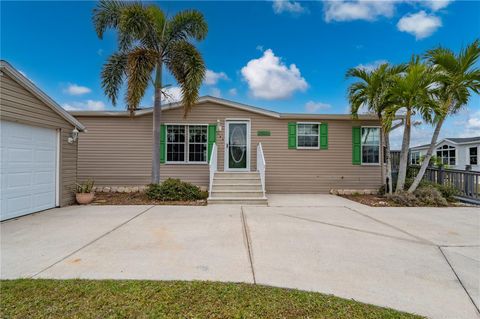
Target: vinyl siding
{"points": [[19, 105], [117, 151]]}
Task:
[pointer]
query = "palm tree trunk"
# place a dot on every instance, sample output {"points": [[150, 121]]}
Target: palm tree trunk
{"points": [[428, 156], [389, 162], [157, 116], [402, 169]]}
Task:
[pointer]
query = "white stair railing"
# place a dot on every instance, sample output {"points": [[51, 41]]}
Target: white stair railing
{"points": [[213, 167], [261, 166]]}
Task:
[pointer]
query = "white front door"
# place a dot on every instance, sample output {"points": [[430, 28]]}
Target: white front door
{"points": [[237, 145], [28, 168]]}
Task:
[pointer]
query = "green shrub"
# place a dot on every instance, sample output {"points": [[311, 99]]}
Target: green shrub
{"points": [[430, 196], [174, 189], [448, 192], [404, 199]]}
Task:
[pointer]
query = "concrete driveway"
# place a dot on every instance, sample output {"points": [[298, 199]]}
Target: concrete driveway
{"points": [[420, 260]]}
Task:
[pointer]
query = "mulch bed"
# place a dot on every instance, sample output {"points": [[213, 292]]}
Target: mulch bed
{"points": [[372, 200], [382, 201], [138, 198]]}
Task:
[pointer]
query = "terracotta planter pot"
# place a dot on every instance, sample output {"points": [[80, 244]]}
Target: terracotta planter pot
{"points": [[84, 198]]}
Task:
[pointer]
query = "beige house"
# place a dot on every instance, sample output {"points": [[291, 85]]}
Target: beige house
{"points": [[38, 148], [226, 146]]}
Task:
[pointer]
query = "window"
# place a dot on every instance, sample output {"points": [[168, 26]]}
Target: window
{"points": [[473, 155], [197, 143], [370, 145], [307, 135], [415, 158], [187, 143], [446, 154]]}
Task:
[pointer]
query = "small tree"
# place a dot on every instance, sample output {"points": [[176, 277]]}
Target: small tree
{"points": [[148, 41], [413, 92], [457, 77], [373, 91]]}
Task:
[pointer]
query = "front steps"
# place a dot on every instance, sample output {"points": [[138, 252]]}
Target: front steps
{"points": [[237, 188]]}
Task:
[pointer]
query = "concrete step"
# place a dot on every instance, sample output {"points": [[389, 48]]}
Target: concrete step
{"points": [[236, 186], [237, 201], [237, 174], [237, 193], [236, 180]]}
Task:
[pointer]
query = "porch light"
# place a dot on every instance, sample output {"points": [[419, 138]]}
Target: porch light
{"points": [[74, 136]]}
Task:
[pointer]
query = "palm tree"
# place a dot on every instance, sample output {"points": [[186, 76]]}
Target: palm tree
{"points": [[413, 92], [457, 77], [148, 41], [373, 91]]}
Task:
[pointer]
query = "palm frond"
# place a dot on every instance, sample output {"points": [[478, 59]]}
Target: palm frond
{"points": [[187, 66], [135, 24], [140, 64], [107, 15], [113, 75], [469, 56], [185, 25]]}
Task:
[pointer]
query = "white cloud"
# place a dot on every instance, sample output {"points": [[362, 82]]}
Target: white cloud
{"points": [[74, 89], [212, 77], [419, 24], [346, 10], [372, 65], [88, 105], [233, 92], [215, 92], [172, 94], [270, 79], [313, 107], [471, 125], [280, 6], [436, 5], [259, 47]]}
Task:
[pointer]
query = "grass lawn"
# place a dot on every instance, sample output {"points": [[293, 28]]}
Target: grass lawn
{"points": [[35, 298]]}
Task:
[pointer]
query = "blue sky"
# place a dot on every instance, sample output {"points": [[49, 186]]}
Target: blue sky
{"points": [[285, 56]]}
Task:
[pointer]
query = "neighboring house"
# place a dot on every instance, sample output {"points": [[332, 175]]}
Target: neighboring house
{"points": [[38, 162], [304, 153], [455, 153]]}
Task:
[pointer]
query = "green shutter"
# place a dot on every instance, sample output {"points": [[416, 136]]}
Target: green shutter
{"points": [[324, 136], [163, 136], [356, 146], [212, 138], [292, 135]]}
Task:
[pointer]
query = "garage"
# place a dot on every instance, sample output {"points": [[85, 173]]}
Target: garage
{"points": [[38, 147], [28, 169]]}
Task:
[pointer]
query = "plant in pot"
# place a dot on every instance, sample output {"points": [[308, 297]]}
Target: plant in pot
{"points": [[85, 194]]}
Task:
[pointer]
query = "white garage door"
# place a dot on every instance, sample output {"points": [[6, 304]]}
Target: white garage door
{"points": [[28, 168]]}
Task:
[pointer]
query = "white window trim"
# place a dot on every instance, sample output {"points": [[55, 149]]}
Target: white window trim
{"points": [[318, 139], [361, 147], [411, 157], [468, 155], [449, 149], [186, 143]]}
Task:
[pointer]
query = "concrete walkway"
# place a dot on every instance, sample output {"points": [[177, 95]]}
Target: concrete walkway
{"points": [[420, 260]]}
